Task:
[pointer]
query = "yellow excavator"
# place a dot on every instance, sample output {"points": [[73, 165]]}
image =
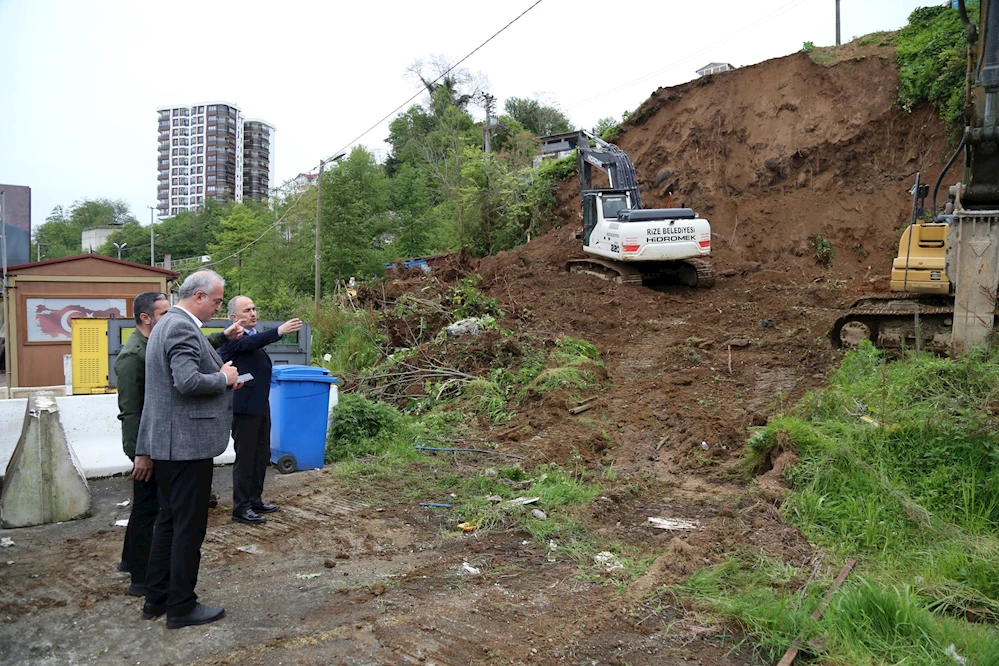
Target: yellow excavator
{"points": [[918, 312]]}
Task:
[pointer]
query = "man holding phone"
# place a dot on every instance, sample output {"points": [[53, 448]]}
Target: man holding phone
{"points": [[130, 368], [251, 418]]}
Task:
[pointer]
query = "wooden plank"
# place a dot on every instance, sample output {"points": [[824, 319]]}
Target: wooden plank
{"points": [[792, 651]]}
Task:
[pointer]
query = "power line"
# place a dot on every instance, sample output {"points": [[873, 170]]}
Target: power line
{"points": [[367, 131], [452, 67]]}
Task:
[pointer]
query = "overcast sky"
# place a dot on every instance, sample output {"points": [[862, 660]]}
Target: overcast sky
{"points": [[80, 80]]}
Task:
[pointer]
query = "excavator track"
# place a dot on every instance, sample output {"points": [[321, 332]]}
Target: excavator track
{"points": [[891, 321], [604, 269], [705, 273], [697, 273]]}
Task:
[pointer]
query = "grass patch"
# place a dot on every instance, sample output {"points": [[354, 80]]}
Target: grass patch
{"points": [[896, 466], [349, 339]]}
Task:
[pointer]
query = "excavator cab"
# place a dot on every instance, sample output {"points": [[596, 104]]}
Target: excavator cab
{"points": [[921, 265]]}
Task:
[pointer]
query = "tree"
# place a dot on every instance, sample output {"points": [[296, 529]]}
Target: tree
{"points": [[459, 85], [187, 234], [534, 115], [604, 124], [355, 218], [62, 233]]}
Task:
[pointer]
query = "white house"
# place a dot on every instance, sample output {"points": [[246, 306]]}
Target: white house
{"points": [[713, 67]]}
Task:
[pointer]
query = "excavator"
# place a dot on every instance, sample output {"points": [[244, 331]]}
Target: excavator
{"points": [[918, 311], [624, 242]]}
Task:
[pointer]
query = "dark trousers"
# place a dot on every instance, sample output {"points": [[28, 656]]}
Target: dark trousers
{"points": [[251, 434], [139, 533], [184, 487]]}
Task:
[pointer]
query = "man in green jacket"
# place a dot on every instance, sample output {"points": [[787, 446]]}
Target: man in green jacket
{"points": [[130, 367]]}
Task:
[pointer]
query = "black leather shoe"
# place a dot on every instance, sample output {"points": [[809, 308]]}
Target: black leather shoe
{"points": [[250, 517], [265, 508], [213, 501], [200, 615], [136, 590], [123, 567], [152, 611]]}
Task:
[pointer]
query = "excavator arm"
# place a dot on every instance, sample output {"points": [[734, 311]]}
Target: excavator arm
{"points": [[981, 133]]}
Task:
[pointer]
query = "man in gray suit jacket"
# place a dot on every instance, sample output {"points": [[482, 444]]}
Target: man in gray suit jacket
{"points": [[185, 423]]}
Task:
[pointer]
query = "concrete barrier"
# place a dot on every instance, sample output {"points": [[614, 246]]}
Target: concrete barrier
{"points": [[92, 430], [44, 482]]}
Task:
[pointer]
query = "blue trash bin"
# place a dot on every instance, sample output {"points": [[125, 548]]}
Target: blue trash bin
{"points": [[300, 397]]}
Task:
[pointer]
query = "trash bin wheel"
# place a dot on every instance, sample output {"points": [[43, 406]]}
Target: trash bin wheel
{"points": [[286, 464]]}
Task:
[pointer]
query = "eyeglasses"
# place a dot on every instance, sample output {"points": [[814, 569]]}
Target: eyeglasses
{"points": [[216, 301]]}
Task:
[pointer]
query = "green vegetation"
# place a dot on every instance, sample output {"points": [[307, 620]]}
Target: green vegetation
{"points": [[823, 249], [932, 58], [808, 47], [436, 191], [897, 467]]}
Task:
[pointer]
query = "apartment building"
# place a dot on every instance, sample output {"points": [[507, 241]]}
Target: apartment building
{"points": [[209, 151]]}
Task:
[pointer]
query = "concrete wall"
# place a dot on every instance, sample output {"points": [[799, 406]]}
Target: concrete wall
{"points": [[92, 430]]}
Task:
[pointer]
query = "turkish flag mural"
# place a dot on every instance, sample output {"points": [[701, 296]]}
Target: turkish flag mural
{"points": [[49, 318]]}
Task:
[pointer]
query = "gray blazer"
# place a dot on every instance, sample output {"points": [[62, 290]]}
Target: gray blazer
{"points": [[187, 413]]}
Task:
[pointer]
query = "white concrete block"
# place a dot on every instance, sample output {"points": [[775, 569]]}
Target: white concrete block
{"points": [[92, 429], [44, 481]]}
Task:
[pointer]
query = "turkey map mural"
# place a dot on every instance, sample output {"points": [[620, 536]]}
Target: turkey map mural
{"points": [[49, 318]]}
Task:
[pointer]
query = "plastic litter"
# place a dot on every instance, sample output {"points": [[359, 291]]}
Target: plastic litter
{"points": [[673, 524], [609, 560], [121, 523], [470, 569], [6, 542], [125, 503], [951, 652]]}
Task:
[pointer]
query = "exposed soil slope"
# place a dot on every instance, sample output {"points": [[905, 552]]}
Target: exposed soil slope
{"points": [[772, 155]]}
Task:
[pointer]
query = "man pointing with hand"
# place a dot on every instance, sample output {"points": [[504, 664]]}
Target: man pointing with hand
{"points": [[251, 420]]}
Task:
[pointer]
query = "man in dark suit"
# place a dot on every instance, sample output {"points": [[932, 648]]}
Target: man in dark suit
{"points": [[251, 412], [186, 418]]}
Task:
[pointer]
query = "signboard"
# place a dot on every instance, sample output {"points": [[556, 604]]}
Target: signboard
{"points": [[48, 319]]}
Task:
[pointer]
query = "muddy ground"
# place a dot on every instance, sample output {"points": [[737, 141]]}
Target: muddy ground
{"points": [[773, 155]]}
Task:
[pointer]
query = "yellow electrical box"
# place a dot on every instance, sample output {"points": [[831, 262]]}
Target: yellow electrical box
{"points": [[90, 356]]}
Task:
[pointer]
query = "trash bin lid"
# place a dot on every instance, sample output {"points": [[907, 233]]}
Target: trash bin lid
{"points": [[302, 373]]}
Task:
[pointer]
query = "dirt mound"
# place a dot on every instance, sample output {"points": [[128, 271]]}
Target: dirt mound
{"points": [[773, 155]]}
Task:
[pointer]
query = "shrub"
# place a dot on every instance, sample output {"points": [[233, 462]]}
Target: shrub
{"points": [[931, 52], [823, 249], [362, 427]]}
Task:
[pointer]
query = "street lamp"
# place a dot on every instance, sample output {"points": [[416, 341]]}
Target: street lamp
{"points": [[152, 243], [119, 248]]}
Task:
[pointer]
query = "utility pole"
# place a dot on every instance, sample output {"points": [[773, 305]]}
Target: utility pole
{"points": [[319, 219], [152, 255], [490, 100], [837, 22]]}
